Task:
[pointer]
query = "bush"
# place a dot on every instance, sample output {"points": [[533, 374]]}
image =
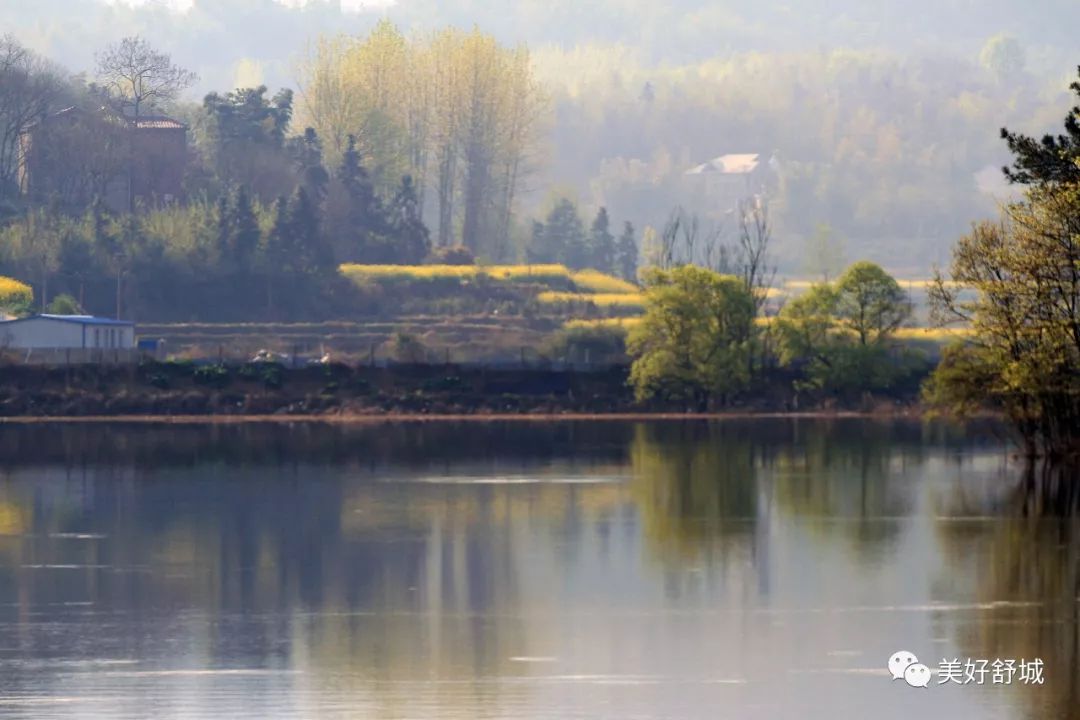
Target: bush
{"points": [[593, 344], [15, 297], [64, 305], [213, 375]]}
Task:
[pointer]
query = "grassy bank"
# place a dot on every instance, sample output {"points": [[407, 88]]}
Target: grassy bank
{"points": [[266, 389]]}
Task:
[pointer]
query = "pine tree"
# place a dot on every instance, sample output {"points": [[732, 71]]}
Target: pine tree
{"points": [[245, 233], [305, 239], [601, 249], [277, 256], [626, 254], [564, 235], [223, 238], [1054, 159], [308, 154], [366, 218], [537, 251], [412, 240]]}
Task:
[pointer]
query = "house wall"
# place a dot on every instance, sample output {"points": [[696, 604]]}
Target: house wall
{"points": [[159, 158], [41, 333]]}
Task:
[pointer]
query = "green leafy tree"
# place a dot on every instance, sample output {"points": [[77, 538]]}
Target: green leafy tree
{"points": [[692, 342], [840, 334], [1016, 284], [870, 302]]}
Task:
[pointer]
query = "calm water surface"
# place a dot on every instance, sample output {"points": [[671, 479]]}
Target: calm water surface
{"points": [[750, 569]]}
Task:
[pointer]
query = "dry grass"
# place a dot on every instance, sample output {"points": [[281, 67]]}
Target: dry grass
{"points": [[605, 300], [12, 292]]}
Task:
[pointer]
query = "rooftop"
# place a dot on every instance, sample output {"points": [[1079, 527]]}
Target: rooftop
{"points": [[735, 164], [80, 319]]}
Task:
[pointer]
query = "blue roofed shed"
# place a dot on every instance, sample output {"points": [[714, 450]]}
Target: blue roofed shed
{"points": [[45, 332]]}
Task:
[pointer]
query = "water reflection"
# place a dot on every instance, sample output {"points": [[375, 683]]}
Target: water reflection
{"points": [[1024, 560], [521, 570]]}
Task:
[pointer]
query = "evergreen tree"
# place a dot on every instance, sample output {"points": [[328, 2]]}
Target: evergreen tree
{"points": [[223, 236], [564, 235], [601, 246], [308, 154], [412, 240], [537, 250], [365, 218], [1054, 159], [277, 253], [245, 233], [626, 254], [304, 237]]}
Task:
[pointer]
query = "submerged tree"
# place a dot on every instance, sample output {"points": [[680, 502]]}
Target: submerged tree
{"points": [[1015, 282]]}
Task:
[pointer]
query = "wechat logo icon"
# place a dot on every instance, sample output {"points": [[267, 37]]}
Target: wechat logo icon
{"points": [[903, 665]]}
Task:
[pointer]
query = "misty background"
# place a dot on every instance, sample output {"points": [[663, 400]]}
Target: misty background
{"points": [[878, 119]]}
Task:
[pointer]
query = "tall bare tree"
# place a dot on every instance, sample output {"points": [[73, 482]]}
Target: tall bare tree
{"points": [[29, 88], [137, 76]]}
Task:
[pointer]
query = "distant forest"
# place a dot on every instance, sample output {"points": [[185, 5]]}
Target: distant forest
{"points": [[879, 118]]}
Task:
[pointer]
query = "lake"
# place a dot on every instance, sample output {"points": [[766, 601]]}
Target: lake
{"points": [[544, 570]]}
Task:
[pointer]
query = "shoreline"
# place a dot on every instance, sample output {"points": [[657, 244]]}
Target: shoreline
{"points": [[377, 418]]}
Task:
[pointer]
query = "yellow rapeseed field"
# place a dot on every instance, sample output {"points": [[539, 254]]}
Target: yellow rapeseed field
{"points": [[597, 282], [422, 273], [12, 291], [624, 323], [592, 281], [598, 299]]}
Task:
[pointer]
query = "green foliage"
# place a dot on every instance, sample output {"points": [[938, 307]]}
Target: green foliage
{"points": [[1053, 159], [1016, 283], [64, 304], [693, 342], [870, 302], [840, 335], [15, 297], [217, 376], [592, 344]]}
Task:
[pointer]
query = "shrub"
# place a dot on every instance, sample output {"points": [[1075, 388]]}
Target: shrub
{"points": [[213, 375], [64, 305], [15, 296]]}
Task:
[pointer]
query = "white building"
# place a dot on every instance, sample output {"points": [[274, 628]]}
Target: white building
{"points": [[66, 332]]}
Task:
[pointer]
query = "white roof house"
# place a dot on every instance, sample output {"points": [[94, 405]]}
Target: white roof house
{"points": [[58, 332], [734, 164]]}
